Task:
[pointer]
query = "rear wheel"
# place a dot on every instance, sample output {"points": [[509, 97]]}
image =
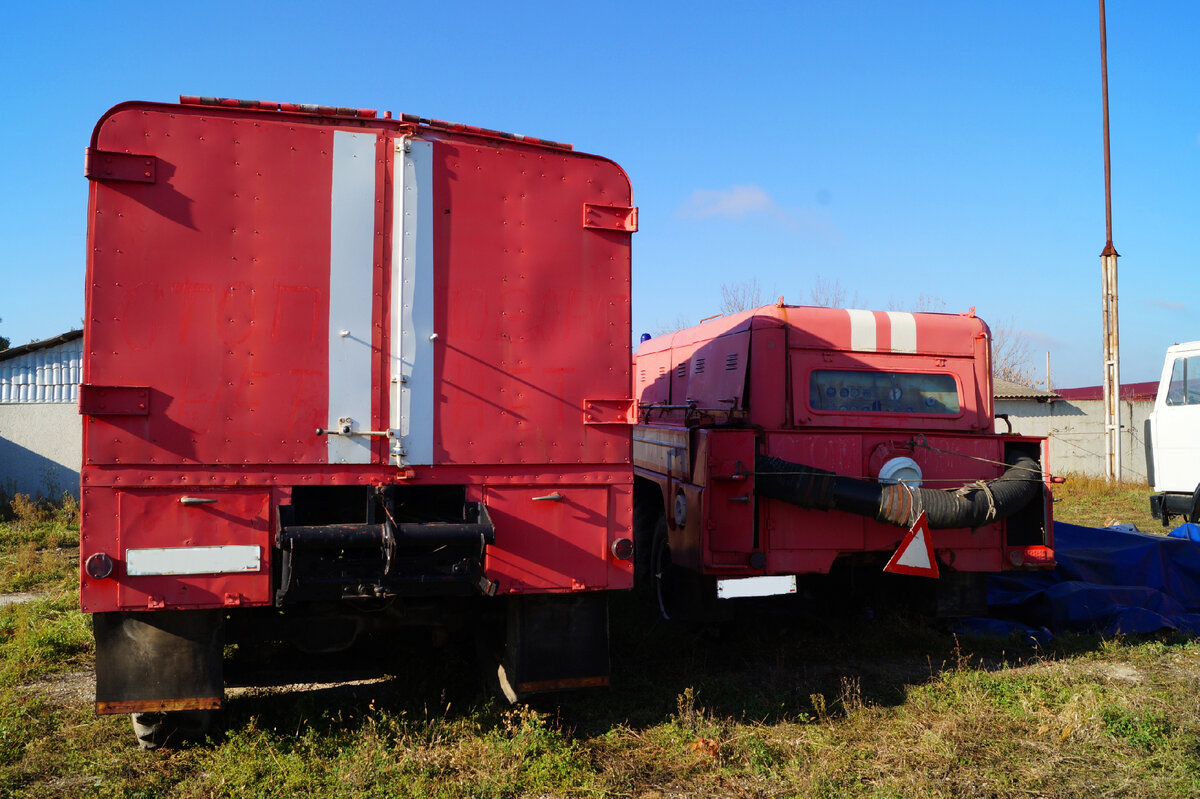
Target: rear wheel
{"points": [[678, 590], [684, 596], [647, 513], [154, 730]]}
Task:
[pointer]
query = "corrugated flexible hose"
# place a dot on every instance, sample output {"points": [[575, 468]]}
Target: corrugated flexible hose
{"points": [[973, 505]]}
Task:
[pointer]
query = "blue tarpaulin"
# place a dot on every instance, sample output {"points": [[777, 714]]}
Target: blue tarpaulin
{"points": [[1108, 580]]}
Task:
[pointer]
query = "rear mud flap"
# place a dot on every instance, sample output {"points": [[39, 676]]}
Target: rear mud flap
{"points": [[152, 661], [554, 642]]}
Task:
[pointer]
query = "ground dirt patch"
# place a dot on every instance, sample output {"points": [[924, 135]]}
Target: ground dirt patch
{"points": [[18, 598]]}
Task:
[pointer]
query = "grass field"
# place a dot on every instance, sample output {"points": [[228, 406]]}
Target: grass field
{"points": [[1092, 502], [842, 703]]}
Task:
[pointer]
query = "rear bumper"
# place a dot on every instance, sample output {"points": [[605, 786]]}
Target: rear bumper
{"points": [[1164, 506]]}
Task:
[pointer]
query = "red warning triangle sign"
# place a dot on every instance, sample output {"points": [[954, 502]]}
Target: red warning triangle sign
{"points": [[915, 554]]}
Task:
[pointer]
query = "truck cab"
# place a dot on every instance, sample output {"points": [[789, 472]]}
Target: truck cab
{"points": [[1174, 436]]}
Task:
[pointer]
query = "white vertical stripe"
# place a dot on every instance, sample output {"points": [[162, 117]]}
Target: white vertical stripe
{"points": [[862, 330], [412, 301], [351, 250], [904, 331]]}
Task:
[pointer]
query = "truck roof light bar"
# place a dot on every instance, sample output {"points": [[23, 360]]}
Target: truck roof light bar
{"points": [[366, 113], [460, 128], [267, 105]]}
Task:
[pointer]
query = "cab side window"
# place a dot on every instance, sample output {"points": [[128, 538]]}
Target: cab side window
{"points": [[1184, 388]]}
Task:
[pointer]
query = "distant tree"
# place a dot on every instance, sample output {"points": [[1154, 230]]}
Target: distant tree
{"points": [[924, 303], [741, 296], [680, 322], [4, 343], [1010, 355], [827, 294], [748, 294]]}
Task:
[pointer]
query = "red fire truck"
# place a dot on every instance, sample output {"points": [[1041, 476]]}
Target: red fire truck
{"points": [[785, 440], [346, 370]]}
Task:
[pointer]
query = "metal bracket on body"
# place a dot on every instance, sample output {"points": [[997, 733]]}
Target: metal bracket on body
{"points": [[622, 411], [128, 167], [610, 217]]}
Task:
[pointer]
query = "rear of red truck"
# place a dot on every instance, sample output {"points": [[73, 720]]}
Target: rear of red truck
{"points": [[343, 369], [785, 440]]}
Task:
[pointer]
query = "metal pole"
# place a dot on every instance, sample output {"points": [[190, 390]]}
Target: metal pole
{"points": [[1108, 269]]}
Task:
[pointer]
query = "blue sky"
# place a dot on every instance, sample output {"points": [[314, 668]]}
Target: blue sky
{"points": [[946, 149]]}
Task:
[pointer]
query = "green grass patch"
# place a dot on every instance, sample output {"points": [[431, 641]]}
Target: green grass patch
{"points": [[43, 636], [39, 544], [1095, 502], [840, 705]]}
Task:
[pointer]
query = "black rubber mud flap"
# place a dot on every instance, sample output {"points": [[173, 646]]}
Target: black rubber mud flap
{"points": [[159, 661], [554, 642]]}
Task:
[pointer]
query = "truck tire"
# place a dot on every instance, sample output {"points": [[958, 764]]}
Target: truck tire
{"points": [[676, 589], [155, 730], [646, 515]]}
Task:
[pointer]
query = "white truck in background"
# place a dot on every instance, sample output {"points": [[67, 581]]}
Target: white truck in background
{"points": [[1173, 438]]}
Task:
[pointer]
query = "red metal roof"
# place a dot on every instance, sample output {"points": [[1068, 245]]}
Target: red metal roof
{"points": [[1129, 392]]}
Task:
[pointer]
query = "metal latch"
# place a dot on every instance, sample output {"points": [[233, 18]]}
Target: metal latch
{"points": [[346, 427]]}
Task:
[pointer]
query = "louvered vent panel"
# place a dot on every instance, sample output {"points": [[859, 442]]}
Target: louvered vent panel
{"points": [[699, 366], [731, 362]]}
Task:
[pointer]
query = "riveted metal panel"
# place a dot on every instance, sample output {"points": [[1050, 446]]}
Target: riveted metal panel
{"points": [[211, 287], [547, 538], [535, 314]]}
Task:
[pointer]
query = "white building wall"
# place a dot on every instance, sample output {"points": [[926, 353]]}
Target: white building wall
{"points": [[41, 432], [41, 447], [1075, 429]]}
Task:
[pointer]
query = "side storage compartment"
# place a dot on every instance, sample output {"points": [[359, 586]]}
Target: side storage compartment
{"points": [[202, 549]]}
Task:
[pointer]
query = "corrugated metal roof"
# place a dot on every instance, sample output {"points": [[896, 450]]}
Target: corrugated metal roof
{"points": [[45, 371], [34, 346], [1008, 390]]}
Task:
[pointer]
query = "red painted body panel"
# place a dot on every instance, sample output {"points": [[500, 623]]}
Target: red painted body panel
{"points": [[210, 287], [536, 309], [155, 518], [554, 544]]}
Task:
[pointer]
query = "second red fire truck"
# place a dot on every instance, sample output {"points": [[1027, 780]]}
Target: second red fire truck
{"points": [[788, 440]]}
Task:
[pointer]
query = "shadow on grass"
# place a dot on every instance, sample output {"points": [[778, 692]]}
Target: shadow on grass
{"points": [[772, 663]]}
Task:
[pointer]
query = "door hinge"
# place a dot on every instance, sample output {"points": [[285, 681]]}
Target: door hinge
{"points": [[129, 167], [622, 411], [114, 400], [610, 217]]}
